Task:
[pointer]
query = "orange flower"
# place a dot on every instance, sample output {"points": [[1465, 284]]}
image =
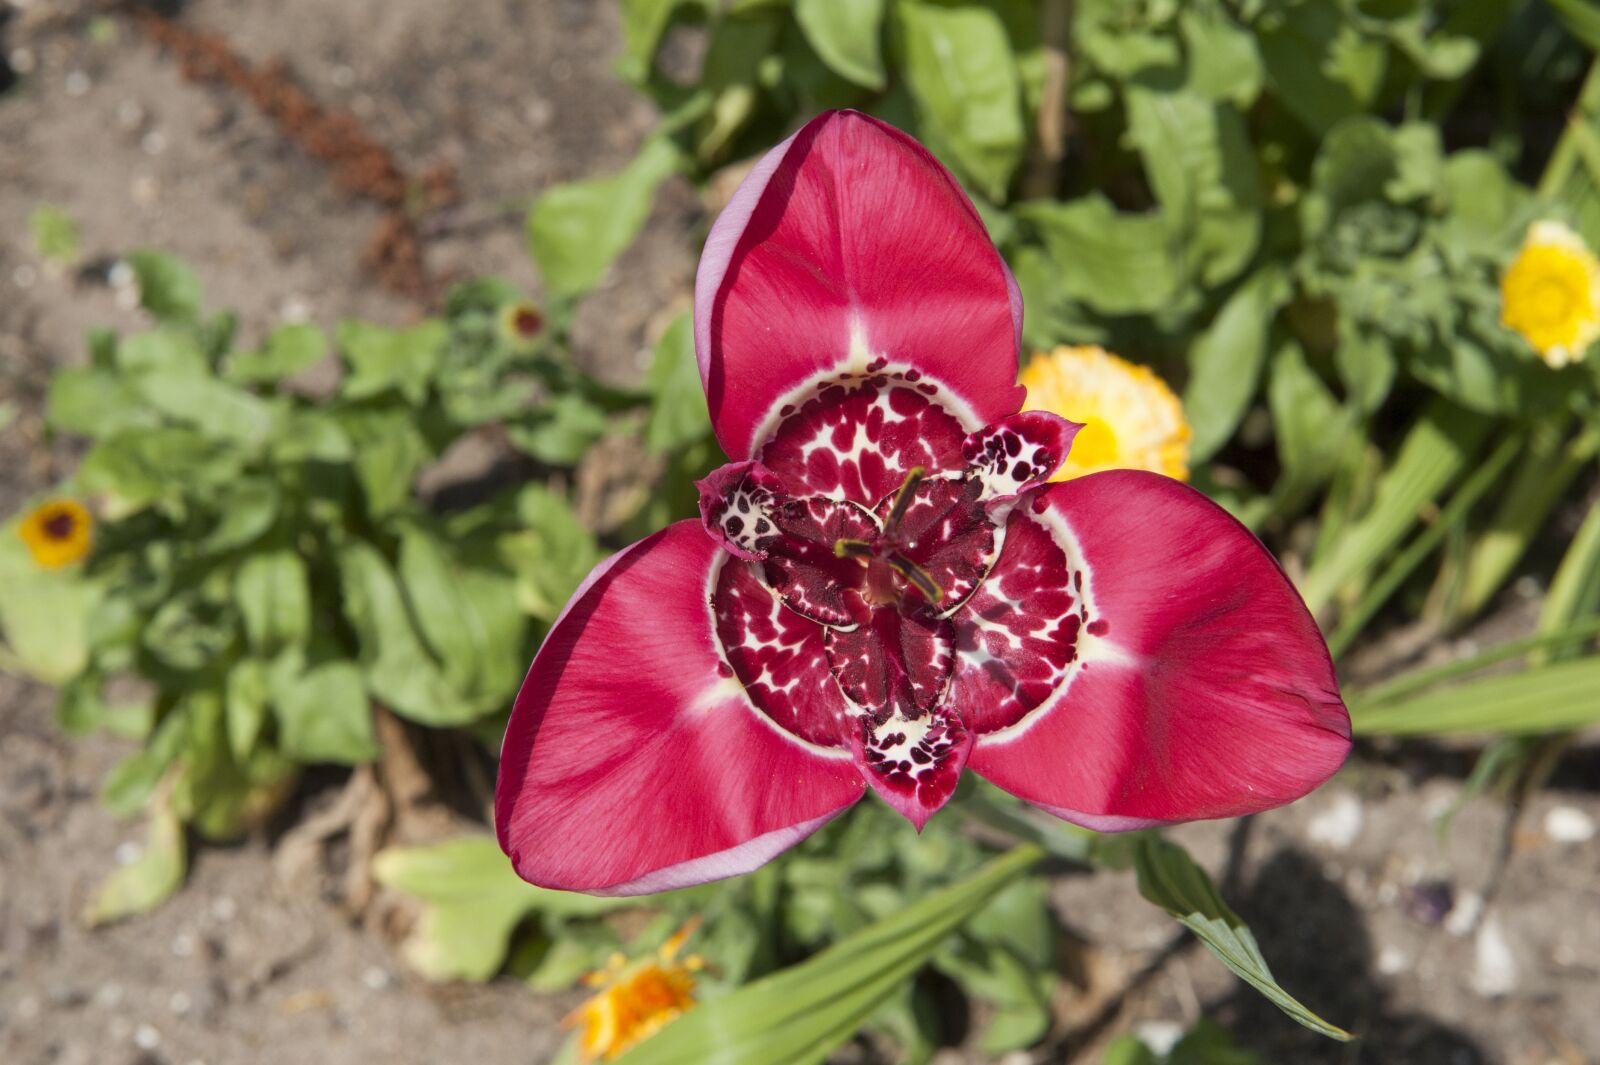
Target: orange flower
{"points": [[635, 1000], [58, 533]]}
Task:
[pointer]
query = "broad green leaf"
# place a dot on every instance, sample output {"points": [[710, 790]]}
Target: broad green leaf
{"points": [[94, 402], [469, 617], [847, 34], [150, 879], [576, 231], [1320, 65], [1018, 993], [1548, 698], [168, 288], [550, 553], [1226, 360], [1581, 18], [135, 468], [1202, 170], [288, 350], [473, 901], [1365, 362], [958, 64], [248, 508], [216, 794], [324, 715], [733, 72], [561, 431], [1440, 445], [401, 359], [801, 1014], [389, 450], [1114, 262], [272, 591], [1224, 62], [1311, 429], [217, 409], [166, 347], [678, 415], [244, 701], [1169, 878], [131, 781], [399, 670]]}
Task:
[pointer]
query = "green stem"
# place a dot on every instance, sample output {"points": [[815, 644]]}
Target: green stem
{"points": [[1567, 637], [1421, 547]]}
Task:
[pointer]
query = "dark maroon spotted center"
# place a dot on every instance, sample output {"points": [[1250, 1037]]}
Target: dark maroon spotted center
{"points": [[857, 618]]}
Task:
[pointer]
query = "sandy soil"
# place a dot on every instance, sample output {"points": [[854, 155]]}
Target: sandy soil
{"points": [[1362, 910]]}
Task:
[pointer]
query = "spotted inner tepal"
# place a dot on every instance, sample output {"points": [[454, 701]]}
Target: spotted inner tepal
{"points": [[889, 587]]}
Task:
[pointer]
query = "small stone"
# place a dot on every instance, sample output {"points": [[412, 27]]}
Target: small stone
{"points": [[1431, 901], [1527, 587], [78, 83], [224, 909], [1568, 824], [376, 978], [144, 190], [1392, 961], [21, 60], [1494, 970], [145, 1037], [127, 852], [296, 309], [1338, 825], [343, 76], [24, 276], [1464, 914], [130, 115], [179, 1003], [28, 1007], [153, 143], [183, 945], [109, 996], [1159, 1036]]}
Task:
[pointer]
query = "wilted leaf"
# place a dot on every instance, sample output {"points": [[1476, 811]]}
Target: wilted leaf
{"points": [[150, 879]]}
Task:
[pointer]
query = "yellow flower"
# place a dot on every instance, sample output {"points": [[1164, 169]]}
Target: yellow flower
{"points": [[1550, 293], [1131, 420], [635, 1000], [57, 533], [520, 324]]}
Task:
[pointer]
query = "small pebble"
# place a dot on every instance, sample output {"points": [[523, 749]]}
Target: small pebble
{"points": [[1568, 824], [109, 996], [183, 945], [28, 1007], [1431, 901], [1159, 1036], [295, 309], [1464, 914], [376, 977], [1392, 961], [127, 852], [343, 76], [21, 60], [153, 143], [179, 1003], [224, 909], [24, 276], [130, 115], [78, 83], [1494, 970], [1338, 825], [145, 1037]]}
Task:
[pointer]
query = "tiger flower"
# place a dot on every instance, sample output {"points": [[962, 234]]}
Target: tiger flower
{"points": [[884, 589]]}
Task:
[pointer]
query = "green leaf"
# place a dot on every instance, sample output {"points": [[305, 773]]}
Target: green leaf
{"points": [[244, 701], [1321, 67], [1203, 173], [576, 231], [166, 347], [1129, 1050], [1169, 878], [272, 592], [389, 450], [1575, 589], [847, 34], [1226, 360], [959, 67], [288, 350], [468, 616], [136, 468], [323, 714], [1310, 428], [473, 901], [248, 507], [1441, 443], [643, 23], [133, 780], [1224, 62], [217, 409], [94, 402], [799, 1015], [678, 415], [399, 670], [1582, 20], [380, 359], [561, 431], [1114, 262], [147, 881], [168, 289], [55, 234], [1548, 698], [550, 553]]}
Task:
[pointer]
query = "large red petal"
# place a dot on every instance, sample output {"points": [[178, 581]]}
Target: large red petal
{"points": [[634, 761], [849, 245], [1201, 686]]}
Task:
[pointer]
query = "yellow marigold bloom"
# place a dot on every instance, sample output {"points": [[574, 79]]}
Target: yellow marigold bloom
{"points": [[635, 1000], [1550, 293], [57, 533], [1131, 420]]}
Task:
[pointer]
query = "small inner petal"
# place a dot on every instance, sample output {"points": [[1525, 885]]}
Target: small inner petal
{"points": [[804, 565], [1018, 452], [899, 662], [946, 532]]}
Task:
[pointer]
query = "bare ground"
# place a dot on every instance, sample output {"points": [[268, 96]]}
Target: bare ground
{"points": [[1361, 908]]}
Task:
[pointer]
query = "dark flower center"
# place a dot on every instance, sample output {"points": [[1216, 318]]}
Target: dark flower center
{"points": [[60, 525]]}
